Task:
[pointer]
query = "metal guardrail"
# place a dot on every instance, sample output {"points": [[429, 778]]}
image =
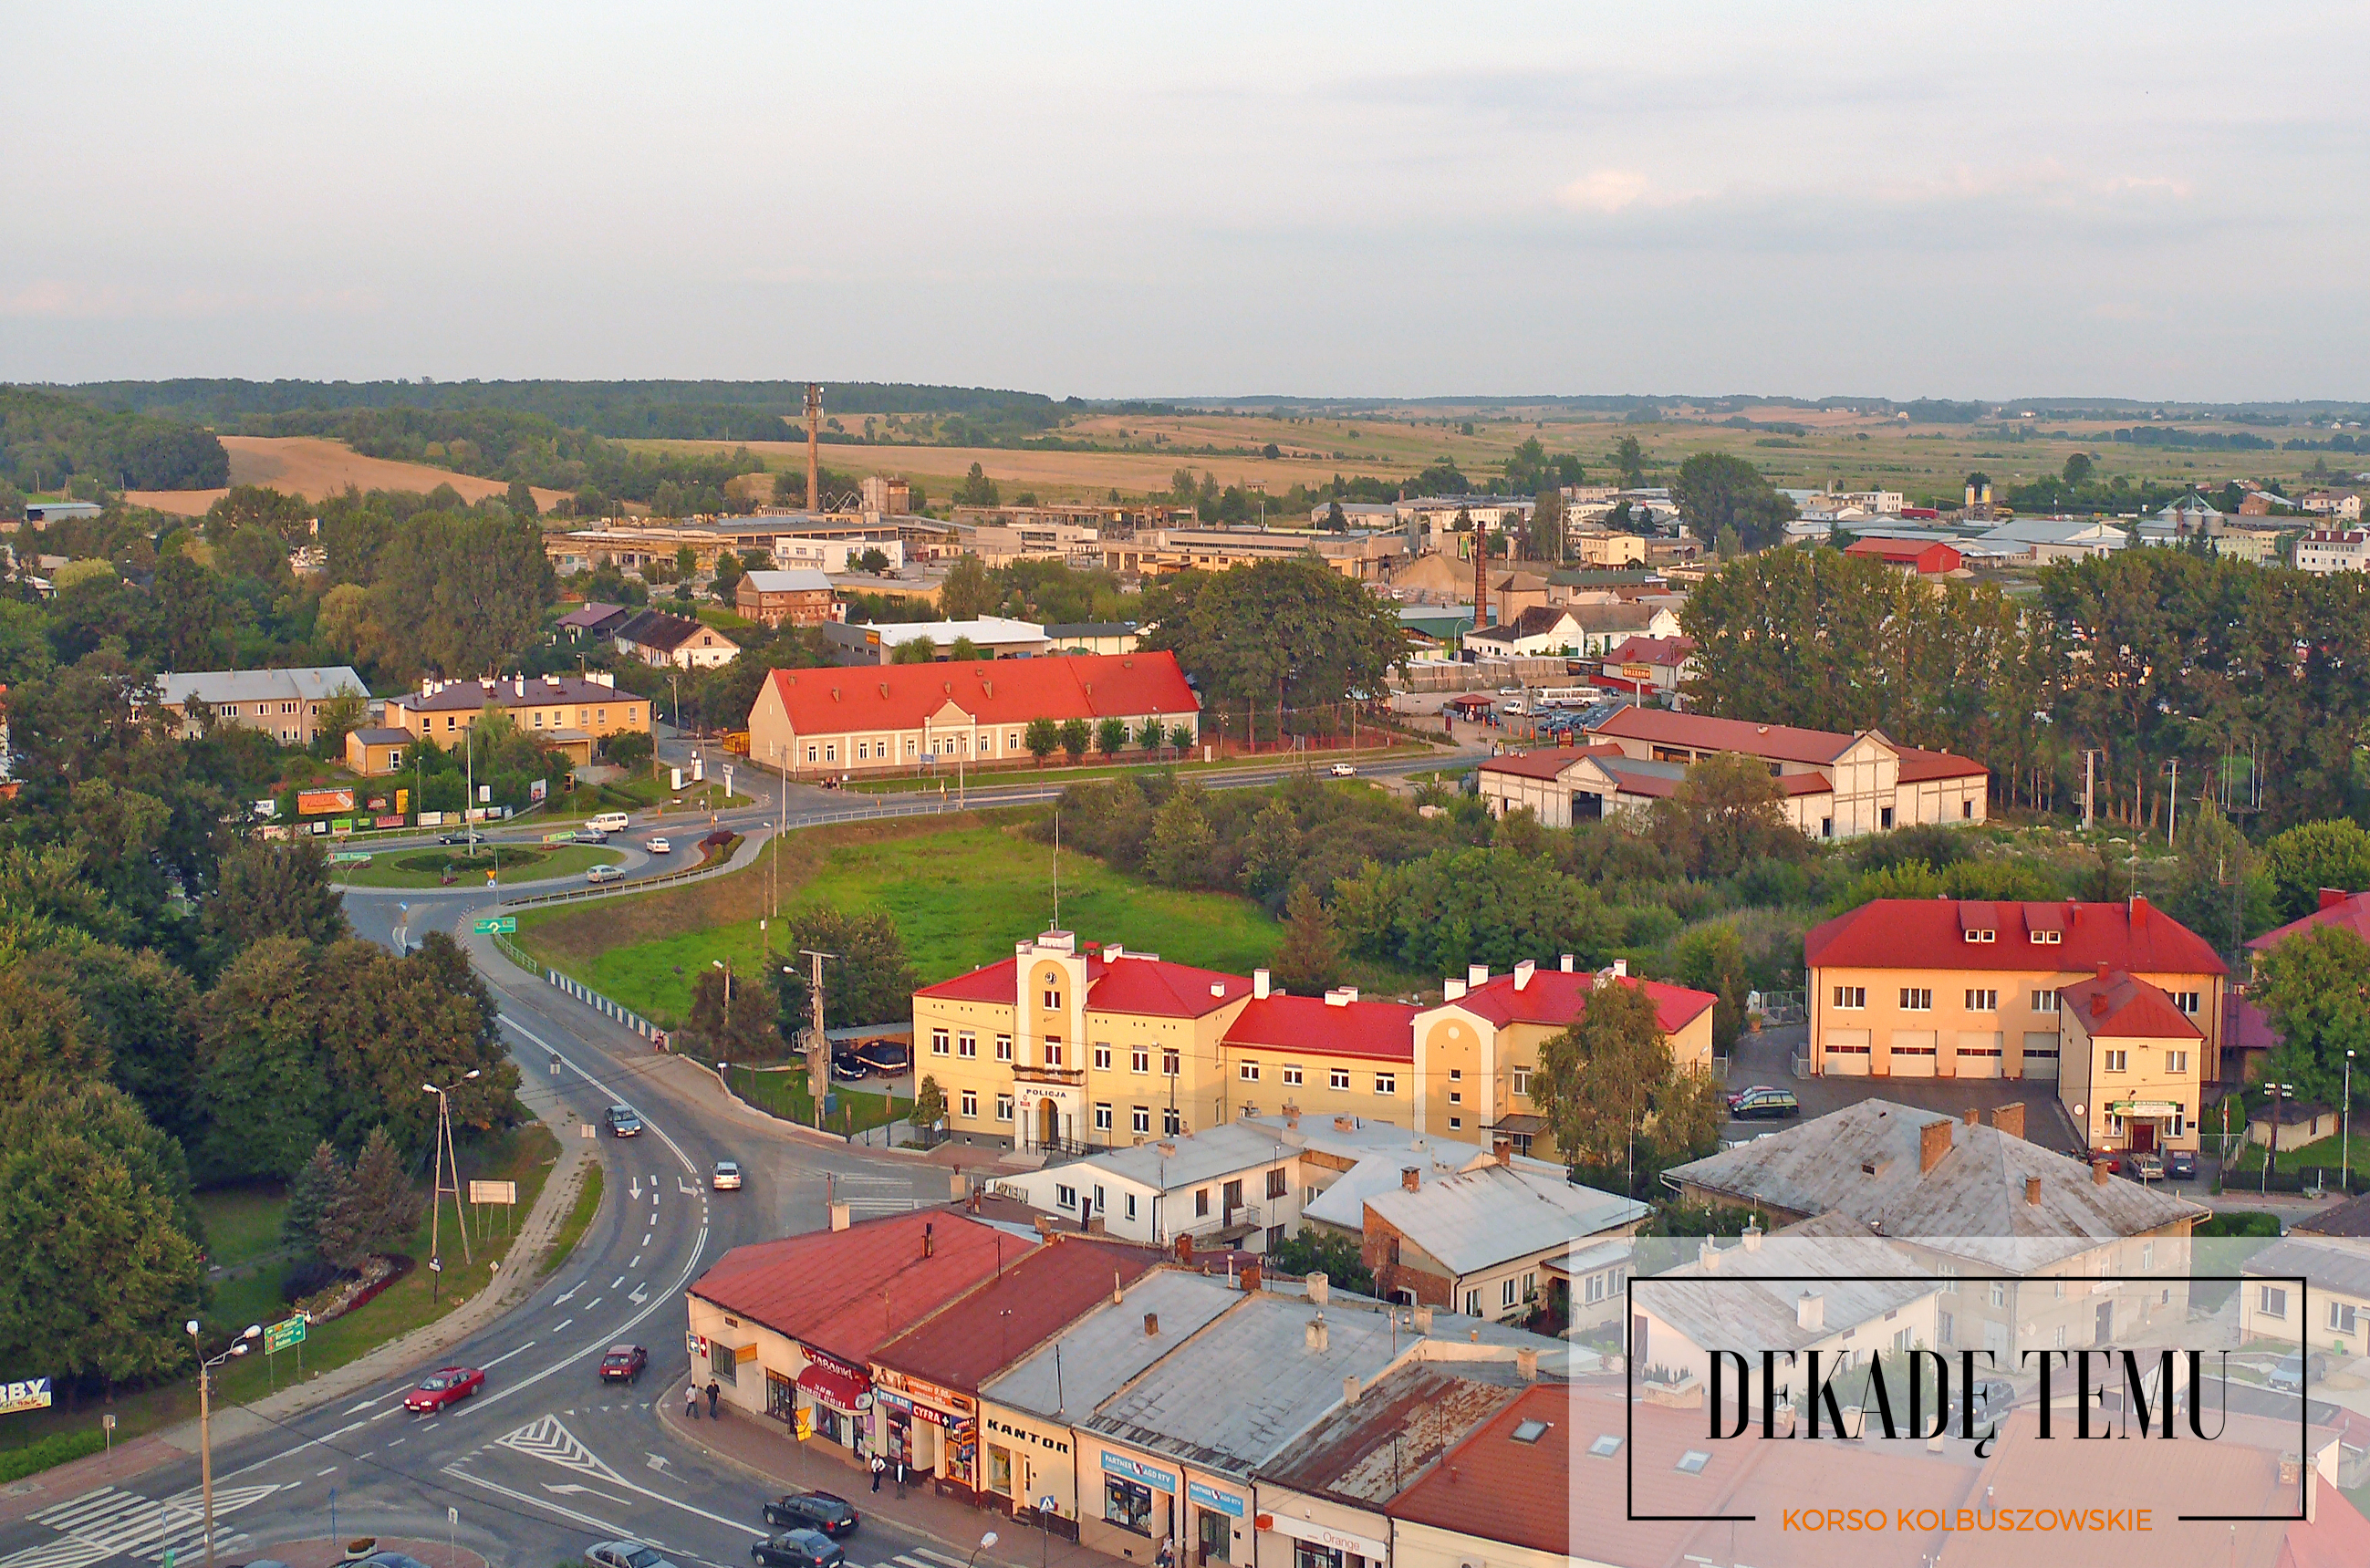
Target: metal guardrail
{"points": [[517, 954]]}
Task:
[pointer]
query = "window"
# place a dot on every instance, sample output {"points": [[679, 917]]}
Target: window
{"points": [[1053, 1051], [811, 750], [1171, 1124], [2178, 1126], [1604, 1447], [2342, 1318], [1052, 1001], [1456, 1097], [937, 1042], [1247, 1071], [1851, 998], [1003, 1047], [1387, 1083], [1949, 1275], [1233, 1197], [2000, 1295], [1338, 1078], [967, 1044], [1142, 1120], [2045, 1002], [1003, 1108], [1693, 1461], [2176, 1061], [1455, 1075], [1102, 1058], [1103, 1117], [1456, 1124], [1139, 1060], [970, 1103], [1975, 936], [1522, 1080], [1946, 1328], [2187, 1001], [1200, 1202], [1128, 1506], [1472, 1303], [1506, 1288], [1065, 1197], [2272, 1302], [1276, 1181], [1983, 1001], [1170, 1063], [2117, 1061], [1917, 998], [724, 1362], [1290, 1077], [1129, 1206]]}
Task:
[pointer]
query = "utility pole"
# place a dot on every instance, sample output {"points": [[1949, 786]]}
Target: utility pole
{"points": [[818, 1044], [446, 1159], [2089, 786], [2172, 804], [815, 446]]}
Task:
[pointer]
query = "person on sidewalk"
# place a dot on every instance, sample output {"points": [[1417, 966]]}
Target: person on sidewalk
{"points": [[901, 1477], [878, 1464], [715, 1391], [1165, 1557], [691, 1402]]}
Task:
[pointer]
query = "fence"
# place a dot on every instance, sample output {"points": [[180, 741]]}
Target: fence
{"points": [[604, 1007]]}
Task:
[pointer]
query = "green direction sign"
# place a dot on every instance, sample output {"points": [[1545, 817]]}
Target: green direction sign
{"points": [[506, 925], [285, 1335]]}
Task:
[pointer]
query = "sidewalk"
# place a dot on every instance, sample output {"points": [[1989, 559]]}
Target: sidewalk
{"points": [[766, 1455]]}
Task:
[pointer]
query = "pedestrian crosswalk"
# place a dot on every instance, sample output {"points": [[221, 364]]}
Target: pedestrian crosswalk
{"points": [[923, 1557], [114, 1523]]}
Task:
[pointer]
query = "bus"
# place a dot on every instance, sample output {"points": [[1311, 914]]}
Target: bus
{"points": [[1567, 696]]}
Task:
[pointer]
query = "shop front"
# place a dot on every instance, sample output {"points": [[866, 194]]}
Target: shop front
{"points": [[1298, 1531], [935, 1431], [1136, 1511], [825, 1399], [1222, 1519]]}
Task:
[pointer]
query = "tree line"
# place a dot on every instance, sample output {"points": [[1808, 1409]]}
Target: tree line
{"points": [[46, 439]]}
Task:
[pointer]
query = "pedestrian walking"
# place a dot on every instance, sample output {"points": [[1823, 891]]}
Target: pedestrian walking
{"points": [[715, 1391], [878, 1464], [901, 1475], [1165, 1557], [691, 1402]]}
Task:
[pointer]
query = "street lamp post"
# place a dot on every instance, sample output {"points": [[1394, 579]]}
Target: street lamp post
{"points": [[2345, 1133], [205, 1419], [985, 1542], [445, 1158], [2279, 1092]]}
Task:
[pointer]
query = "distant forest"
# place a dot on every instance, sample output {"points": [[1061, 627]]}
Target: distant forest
{"points": [[44, 439]]}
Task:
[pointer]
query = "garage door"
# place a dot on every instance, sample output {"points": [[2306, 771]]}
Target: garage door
{"points": [[2041, 1055], [1847, 1052], [1913, 1052], [1979, 1056]]}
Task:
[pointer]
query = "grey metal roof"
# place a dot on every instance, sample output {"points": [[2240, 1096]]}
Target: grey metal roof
{"points": [[1862, 1161], [1224, 1150], [794, 579], [1493, 1215], [315, 683], [1102, 1352], [378, 735], [2330, 1264], [1708, 1303], [1090, 628]]}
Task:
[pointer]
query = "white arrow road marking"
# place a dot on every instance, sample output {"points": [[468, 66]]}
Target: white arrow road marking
{"points": [[634, 1187], [685, 1188], [570, 1489], [603, 1526], [545, 1438], [657, 1463]]}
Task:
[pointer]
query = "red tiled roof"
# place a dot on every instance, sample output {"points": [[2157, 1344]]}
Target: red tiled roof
{"points": [[1130, 984], [1525, 1493], [2122, 1005], [1556, 997], [1928, 933], [1918, 766], [972, 1339], [1383, 1031], [1781, 743], [992, 691], [846, 1291], [2351, 911], [1545, 764], [1670, 651], [1901, 549]]}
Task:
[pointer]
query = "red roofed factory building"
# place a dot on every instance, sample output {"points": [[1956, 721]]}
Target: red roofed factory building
{"points": [[871, 721]]}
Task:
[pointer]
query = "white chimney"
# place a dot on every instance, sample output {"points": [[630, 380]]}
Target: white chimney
{"points": [[1477, 973], [1318, 1336], [1752, 1239], [839, 1217], [1320, 1288], [1452, 990], [1340, 995], [1112, 949], [1566, 963], [1522, 972], [1350, 1388], [1259, 982], [1621, 968], [1811, 1312]]}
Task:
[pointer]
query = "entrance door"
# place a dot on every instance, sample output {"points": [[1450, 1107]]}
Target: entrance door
{"points": [[1638, 1338], [1218, 1536], [2105, 1329], [2143, 1136], [1048, 1126]]}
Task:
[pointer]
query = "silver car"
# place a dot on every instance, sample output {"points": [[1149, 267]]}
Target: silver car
{"points": [[627, 1554]]}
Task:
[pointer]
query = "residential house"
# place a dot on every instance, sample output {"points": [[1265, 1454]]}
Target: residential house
{"points": [[656, 638], [1607, 550], [2313, 1292], [2335, 906], [571, 713], [2019, 1235], [797, 597], [1345, 1160], [2343, 506], [994, 637], [593, 619], [1833, 786], [1922, 558], [1478, 1241], [860, 722], [2131, 1062], [1540, 629], [1649, 664], [1234, 1184], [1477, 1051], [1941, 987], [374, 750], [1091, 637], [2326, 550], [1338, 1054], [1604, 624], [284, 704]]}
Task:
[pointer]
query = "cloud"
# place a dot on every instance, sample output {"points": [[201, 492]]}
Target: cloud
{"points": [[1609, 191]]}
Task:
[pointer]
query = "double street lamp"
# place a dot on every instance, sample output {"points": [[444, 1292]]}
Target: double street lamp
{"points": [[205, 1418], [446, 1158]]}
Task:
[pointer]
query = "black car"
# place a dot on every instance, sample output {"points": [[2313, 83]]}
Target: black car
{"points": [[824, 1511], [798, 1549], [623, 1364], [887, 1058], [2180, 1165], [847, 1064], [1763, 1102]]}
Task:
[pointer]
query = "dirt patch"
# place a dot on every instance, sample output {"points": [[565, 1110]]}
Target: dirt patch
{"points": [[314, 468]]}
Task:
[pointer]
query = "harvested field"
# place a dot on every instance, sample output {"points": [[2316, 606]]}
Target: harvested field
{"points": [[313, 467]]}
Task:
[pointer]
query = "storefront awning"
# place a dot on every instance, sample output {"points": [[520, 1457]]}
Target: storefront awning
{"points": [[842, 1391], [2144, 1107]]}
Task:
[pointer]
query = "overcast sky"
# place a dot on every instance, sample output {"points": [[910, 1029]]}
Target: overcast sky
{"points": [[1990, 200]]}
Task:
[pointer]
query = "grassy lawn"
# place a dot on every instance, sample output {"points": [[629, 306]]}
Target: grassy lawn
{"points": [[516, 862], [963, 888], [580, 1219], [642, 791], [785, 1094], [242, 1223], [523, 1155], [1057, 770], [2327, 1152]]}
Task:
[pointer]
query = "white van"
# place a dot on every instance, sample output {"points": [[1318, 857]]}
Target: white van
{"points": [[609, 821]]}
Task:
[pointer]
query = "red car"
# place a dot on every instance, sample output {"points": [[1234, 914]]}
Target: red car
{"points": [[448, 1387], [623, 1364]]}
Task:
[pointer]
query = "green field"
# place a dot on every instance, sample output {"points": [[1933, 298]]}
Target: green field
{"points": [[785, 1094], [425, 868], [1057, 768], [242, 1223], [961, 889]]}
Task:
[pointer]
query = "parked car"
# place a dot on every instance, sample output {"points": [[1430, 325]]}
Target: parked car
{"points": [[847, 1064], [375, 1559], [824, 1511], [887, 1058], [1993, 1399], [600, 874], [627, 1554], [2180, 1165], [1345, 770], [623, 1364], [726, 1178], [658, 847], [624, 1123], [1510, 691], [448, 1387], [589, 835], [2291, 1372], [2113, 1158], [2147, 1165], [1762, 1101], [795, 1549]]}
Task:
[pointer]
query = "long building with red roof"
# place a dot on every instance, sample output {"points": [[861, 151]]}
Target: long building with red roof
{"points": [[863, 720], [1943, 987]]}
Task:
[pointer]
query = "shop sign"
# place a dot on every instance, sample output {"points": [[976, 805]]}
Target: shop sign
{"points": [[1211, 1497], [1136, 1471], [1326, 1535]]}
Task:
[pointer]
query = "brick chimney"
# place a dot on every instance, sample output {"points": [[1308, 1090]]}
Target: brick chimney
{"points": [[2009, 1119], [2331, 897], [1502, 1150], [2032, 1191], [1412, 1177], [1185, 1248], [1970, 1115], [1933, 1143], [1250, 1279], [1151, 1325], [2099, 1173]]}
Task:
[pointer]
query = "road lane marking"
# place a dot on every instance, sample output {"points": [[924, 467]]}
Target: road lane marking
{"points": [[617, 1281], [603, 1526], [636, 1263], [318, 1474], [561, 1324], [505, 1355]]}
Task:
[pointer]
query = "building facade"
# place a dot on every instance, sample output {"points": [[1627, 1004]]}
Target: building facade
{"points": [[794, 596], [572, 713], [657, 637], [283, 704]]}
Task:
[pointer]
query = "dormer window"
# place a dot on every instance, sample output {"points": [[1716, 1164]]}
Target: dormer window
{"points": [[2048, 938], [1983, 936]]}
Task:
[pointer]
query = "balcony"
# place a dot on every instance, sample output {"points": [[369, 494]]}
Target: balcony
{"points": [[1072, 1077], [1227, 1226]]}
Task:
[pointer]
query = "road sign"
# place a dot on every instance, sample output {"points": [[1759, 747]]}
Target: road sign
{"points": [[505, 924], [493, 1192], [284, 1335]]}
